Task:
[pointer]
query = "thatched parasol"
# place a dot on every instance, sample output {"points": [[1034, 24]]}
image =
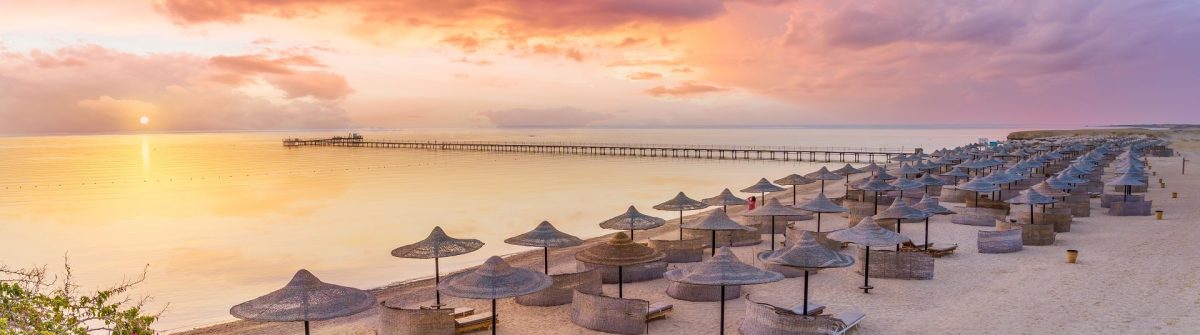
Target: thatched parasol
{"points": [[619, 251], [1031, 197], [681, 203], [903, 183], [929, 180], [1129, 180], [956, 173], [846, 171], [821, 204], [714, 221], [545, 236], [725, 199], [495, 279], [877, 185], [773, 209], [794, 180], [806, 253], [437, 245], [762, 187], [900, 210], [868, 234], [906, 170], [931, 207], [632, 220], [979, 185], [822, 174], [722, 269], [305, 298]]}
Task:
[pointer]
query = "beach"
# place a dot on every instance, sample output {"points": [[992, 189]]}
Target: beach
{"points": [[1134, 275]]}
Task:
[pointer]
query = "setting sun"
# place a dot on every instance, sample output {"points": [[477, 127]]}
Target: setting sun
{"points": [[144, 120]]}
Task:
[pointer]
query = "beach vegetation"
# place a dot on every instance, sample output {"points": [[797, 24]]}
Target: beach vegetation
{"points": [[35, 302]]}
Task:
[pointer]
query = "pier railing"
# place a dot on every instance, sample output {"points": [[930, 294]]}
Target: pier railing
{"points": [[828, 154]]}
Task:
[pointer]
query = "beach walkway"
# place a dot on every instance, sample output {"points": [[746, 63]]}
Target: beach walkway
{"points": [[782, 153]]}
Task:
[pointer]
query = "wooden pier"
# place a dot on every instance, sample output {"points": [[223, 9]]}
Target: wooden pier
{"points": [[847, 155]]}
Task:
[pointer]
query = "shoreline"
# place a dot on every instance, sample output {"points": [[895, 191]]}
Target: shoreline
{"points": [[955, 274]]}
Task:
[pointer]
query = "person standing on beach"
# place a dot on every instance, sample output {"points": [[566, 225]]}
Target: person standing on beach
{"points": [[752, 201]]}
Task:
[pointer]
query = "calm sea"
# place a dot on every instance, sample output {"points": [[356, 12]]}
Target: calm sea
{"points": [[222, 218]]}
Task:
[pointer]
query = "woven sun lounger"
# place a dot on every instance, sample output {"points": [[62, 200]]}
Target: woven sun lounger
{"points": [[813, 309], [473, 323], [615, 315], [587, 281], [766, 319], [680, 251], [420, 321]]}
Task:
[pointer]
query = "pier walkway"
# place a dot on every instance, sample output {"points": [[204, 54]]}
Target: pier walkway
{"points": [[840, 154]]}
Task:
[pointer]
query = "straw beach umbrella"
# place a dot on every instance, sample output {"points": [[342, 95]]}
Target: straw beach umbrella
{"points": [[305, 298], [762, 187], [721, 270], [437, 245], [806, 254], [903, 183], [956, 173], [619, 251], [822, 174], [868, 234], [1129, 180], [681, 203], [717, 220], [821, 204], [906, 170], [877, 185], [793, 180], [545, 237], [901, 211], [773, 209], [929, 180], [931, 207], [725, 199], [632, 220], [1032, 198], [979, 185], [495, 279], [847, 171]]}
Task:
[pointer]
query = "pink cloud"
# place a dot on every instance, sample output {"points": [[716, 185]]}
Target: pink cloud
{"points": [[107, 90], [683, 89]]}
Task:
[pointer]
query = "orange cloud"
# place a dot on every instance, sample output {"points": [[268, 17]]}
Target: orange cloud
{"points": [[683, 90], [644, 76], [463, 42], [105, 90]]}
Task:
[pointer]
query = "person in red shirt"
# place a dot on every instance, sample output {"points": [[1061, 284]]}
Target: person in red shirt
{"points": [[753, 201]]}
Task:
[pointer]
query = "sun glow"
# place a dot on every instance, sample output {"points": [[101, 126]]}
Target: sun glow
{"points": [[144, 120]]}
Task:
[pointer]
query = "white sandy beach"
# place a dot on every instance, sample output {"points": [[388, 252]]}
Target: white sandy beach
{"points": [[1135, 275]]}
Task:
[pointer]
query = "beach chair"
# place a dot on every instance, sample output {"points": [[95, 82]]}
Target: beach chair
{"points": [[615, 315], [587, 281], [474, 322], [766, 319]]}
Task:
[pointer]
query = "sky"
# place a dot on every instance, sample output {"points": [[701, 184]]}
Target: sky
{"points": [[99, 66]]}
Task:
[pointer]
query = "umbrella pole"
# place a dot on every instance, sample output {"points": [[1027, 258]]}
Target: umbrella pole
{"points": [[722, 309], [1030, 212], [818, 222], [437, 279], [806, 292], [772, 233], [494, 316], [822, 186], [305, 327], [866, 270], [875, 210], [681, 225], [926, 248], [897, 232], [546, 259], [620, 282], [794, 194], [714, 243], [847, 187], [762, 199]]}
